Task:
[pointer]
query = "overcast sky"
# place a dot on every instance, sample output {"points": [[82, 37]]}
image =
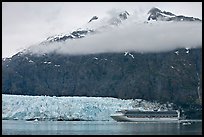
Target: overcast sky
{"points": [[24, 24]]}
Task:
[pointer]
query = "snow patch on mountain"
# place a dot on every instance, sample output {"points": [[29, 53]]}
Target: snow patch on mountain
{"points": [[158, 15], [127, 53], [187, 50], [176, 52], [30, 61]]}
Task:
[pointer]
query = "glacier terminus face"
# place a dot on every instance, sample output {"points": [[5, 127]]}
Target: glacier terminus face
{"points": [[21, 107]]}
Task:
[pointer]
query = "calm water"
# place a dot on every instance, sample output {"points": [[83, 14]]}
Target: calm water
{"points": [[17, 127]]}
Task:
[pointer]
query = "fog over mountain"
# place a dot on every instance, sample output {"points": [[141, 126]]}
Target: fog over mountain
{"points": [[133, 33], [141, 38], [24, 24], [155, 56]]}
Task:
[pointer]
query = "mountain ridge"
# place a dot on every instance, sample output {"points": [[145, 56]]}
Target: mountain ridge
{"points": [[116, 20], [157, 14], [170, 76]]}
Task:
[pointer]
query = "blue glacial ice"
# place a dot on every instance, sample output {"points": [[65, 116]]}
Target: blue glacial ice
{"points": [[23, 107]]}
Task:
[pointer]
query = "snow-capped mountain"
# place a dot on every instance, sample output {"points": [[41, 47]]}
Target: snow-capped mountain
{"points": [[171, 76], [95, 24], [122, 28], [158, 15], [91, 27]]}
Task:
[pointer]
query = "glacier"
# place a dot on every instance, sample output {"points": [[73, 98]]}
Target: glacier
{"points": [[24, 107]]}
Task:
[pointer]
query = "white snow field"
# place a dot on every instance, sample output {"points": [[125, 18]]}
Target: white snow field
{"points": [[23, 107]]}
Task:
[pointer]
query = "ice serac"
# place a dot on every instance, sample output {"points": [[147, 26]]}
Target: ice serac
{"points": [[158, 15], [19, 107]]}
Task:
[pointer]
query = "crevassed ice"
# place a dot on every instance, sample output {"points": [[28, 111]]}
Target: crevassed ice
{"points": [[21, 107]]}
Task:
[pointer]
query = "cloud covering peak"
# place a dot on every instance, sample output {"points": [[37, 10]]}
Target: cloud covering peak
{"points": [[130, 35]]}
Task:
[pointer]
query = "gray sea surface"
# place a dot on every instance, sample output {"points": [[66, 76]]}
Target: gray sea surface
{"points": [[20, 127]]}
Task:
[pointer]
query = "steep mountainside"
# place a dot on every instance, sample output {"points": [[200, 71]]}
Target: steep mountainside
{"points": [[173, 76]]}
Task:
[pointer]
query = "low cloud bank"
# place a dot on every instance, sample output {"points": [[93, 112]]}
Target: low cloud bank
{"points": [[132, 36]]}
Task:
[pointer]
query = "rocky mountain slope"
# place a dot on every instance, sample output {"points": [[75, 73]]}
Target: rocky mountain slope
{"points": [[172, 76], [158, 15]]}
